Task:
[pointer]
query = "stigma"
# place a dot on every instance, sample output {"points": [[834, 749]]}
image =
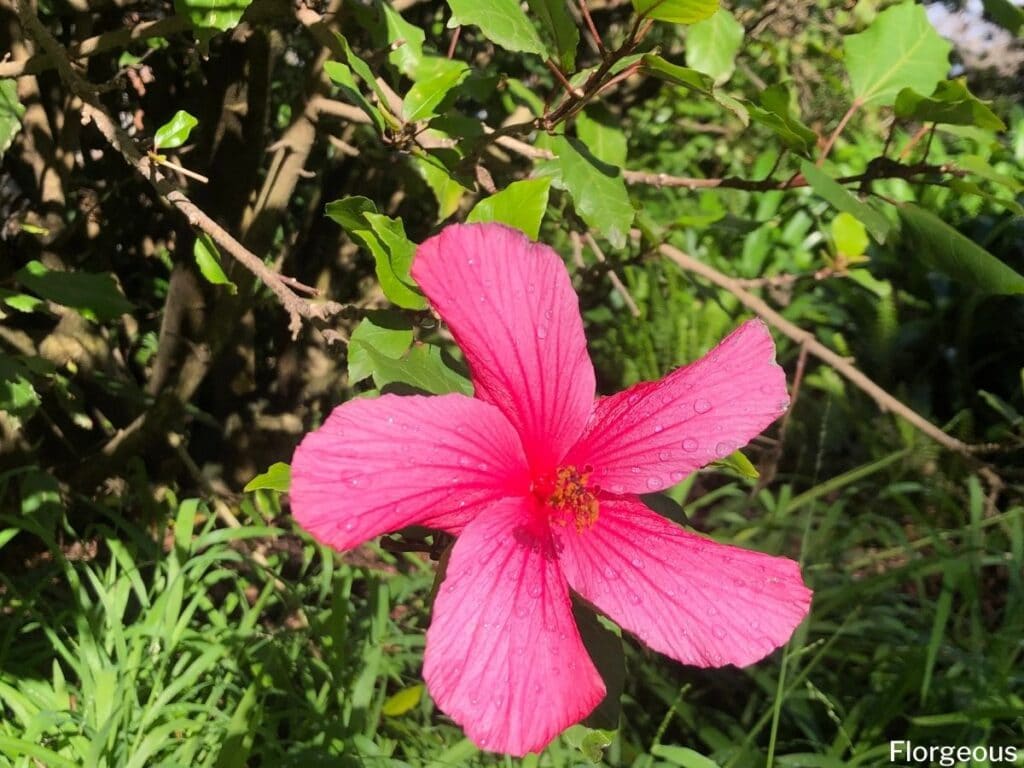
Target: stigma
{"points": [[569, 497]]}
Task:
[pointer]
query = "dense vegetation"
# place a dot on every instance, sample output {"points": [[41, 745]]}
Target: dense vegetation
{"points": [[815, 162]]}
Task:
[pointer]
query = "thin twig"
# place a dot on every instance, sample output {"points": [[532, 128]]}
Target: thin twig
{"points": [[843, 366], [838, 131], [616, 282]]}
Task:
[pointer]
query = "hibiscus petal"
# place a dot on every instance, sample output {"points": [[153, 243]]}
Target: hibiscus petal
{"points": [[377, 465], [690, 598], [652, 435], [510, 306], [504, 658]]}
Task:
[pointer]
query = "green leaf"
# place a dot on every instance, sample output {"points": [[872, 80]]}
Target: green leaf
{"points": [[209, 16], [597, 189], [175, 131], [501, 21], [341, 75], [677, 11], [22, 302], [385, 238], [694, 81], [607, 143], [521, 205], [712, 45], [18, 397], [386, 332], [447, 190], [964, 187], [407, 56], [849, 235], [684, 757], [843, 200], [604, 647], [422, 368], [403, 701], [430, 88], [739, 465], [278, 477], [1004, 13], [559, 29], [774, 113], [946, 250], [207, 258], [951, 103], [11, 111], [979, 167], [94, 295], [901, 49]]}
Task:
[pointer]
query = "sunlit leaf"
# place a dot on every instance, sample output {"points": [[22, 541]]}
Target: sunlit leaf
{"points": [[403, 701], [606, 141], [175, 131], [521, 205], [774, 113], [207, 257], [849, 235], [422, 368], [677, 11], [712, 45], [951, 103], [559, 30], [94, 294], [11, 111], [430, 88], [210, 16], [278, 477], [386, 332], [901, 49], [502, 21], [737, 463]]}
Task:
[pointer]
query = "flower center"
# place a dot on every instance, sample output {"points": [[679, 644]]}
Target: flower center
{"points": [[568, 497]]}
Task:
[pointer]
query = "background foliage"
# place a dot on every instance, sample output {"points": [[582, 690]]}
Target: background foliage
{"points": [[829, 157]]}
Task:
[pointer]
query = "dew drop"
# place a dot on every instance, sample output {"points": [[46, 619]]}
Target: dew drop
{"points": [[636, 562], [755, 624], [547, 314], [664, 455], [653, 482], [353, 481], [542, 332], [723, 449], [521, 612], [463, 461], [482, 466], [391, 419], [719, 632], [531, 287], [658, 428], [534, 590], [712, 611], [633, 399], [690, 445], [610, 573], [350, 526], [470, 261], [677, 476], [701, 406], [635, 470], [633, 597], [738, 582], [617, 488]]}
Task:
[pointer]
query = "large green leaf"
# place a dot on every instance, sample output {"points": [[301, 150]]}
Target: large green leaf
{"points": [[678, 11], [605, 141], [843, 200], [559, 29], [712, 45], [95, 295], [945, 249], [501, 21], [11, 111], [774, 113], [597, 189], [207, 257], [694, 81], [422, 368], [951, 103], [901, 49], [435, 78], [385, 238], [386, 332], [521, 205]]}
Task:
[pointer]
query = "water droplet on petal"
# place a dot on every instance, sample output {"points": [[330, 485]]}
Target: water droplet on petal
{"points": [[463, 461], [469, 260], [633, 399], [712, 611], [521, 612], [534, 590], [542, 331], [702, 406], [618, 488], [391, 419], [633, 597], [547, 314], [755, 624], [350, 526], [658, 428], [719, 632], [664, 455], [653, 482], [635, 470], [637, 562], [723, 449], [690, 445], [677, 476], [610, 573]]}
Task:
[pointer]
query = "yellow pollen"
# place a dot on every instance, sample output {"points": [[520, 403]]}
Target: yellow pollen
{"points": [[572, 500]]}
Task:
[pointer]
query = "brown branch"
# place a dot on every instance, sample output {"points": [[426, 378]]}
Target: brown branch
{"points": [[830, 142], [296, 306], [884, 400], [616, 282]]}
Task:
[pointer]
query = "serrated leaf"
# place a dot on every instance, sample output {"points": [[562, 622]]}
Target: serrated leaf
{"points": [[952, 103], [521, 205], [435, 78], [422, 368], [849, 235], [712, 45], [502, 22], [387, 332], [385, 238], [900, 49], [208, 16], [945, 249], [603, 139], [95, 295], [774, 113], [597, 189], [676, 11], [401, 702], [843, 200], [207, 257], [278, 477], [559, 29], [11, 111], [175, 131]]}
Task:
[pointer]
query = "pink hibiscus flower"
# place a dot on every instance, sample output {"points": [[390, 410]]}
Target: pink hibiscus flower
{"points": [[539, 482]]}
